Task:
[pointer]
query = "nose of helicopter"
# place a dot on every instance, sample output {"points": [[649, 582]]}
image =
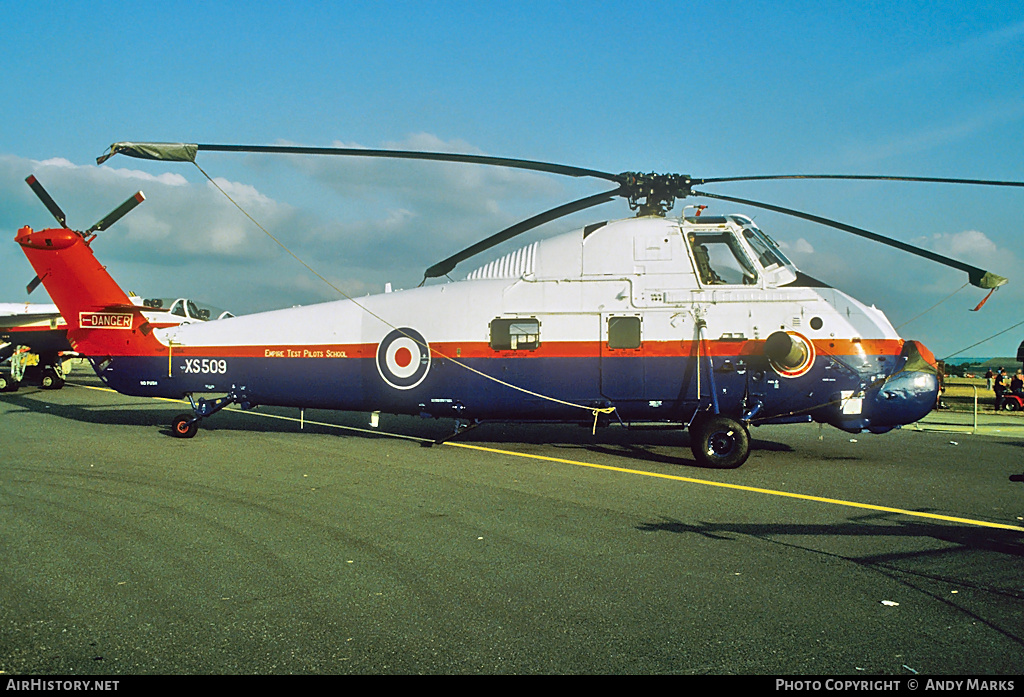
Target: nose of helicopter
{"points": [[910, 392]]}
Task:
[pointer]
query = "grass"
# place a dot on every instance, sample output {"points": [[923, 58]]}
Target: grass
{"points": [[959, 395]]}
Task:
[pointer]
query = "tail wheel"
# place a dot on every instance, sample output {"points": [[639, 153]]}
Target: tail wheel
{"points": [[719, 442], [184, 426]]}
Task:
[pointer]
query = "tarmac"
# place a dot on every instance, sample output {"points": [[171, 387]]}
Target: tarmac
{"points": [[277, 542]]}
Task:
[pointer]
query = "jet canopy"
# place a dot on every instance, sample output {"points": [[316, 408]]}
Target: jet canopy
{"points": [[185, 308]]}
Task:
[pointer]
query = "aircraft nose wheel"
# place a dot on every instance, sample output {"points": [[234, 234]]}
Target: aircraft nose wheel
{"points": [[51, 380], [184, 426], [719, 442]]}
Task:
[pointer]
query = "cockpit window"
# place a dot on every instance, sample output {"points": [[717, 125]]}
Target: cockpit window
{"points": [[719, 259], [766, 255]]}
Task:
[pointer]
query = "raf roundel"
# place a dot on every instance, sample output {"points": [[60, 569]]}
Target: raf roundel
{"points": [[403, 358]]}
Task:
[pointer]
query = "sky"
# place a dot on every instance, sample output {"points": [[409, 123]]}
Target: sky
{"points": [[713, 89]]}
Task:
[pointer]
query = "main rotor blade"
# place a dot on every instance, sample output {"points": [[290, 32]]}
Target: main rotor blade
{"points": [[418, 155], [978, 277], [859, 177], [50, 204], [185, 152], [117, 213], [442, 268]]}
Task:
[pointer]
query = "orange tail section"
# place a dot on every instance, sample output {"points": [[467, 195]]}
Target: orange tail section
{"points": [[101, 318]]}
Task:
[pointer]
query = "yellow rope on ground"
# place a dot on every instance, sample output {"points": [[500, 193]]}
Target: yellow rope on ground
{"points": [[596, 411]]}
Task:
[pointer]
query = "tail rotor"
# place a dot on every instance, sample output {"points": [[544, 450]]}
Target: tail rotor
{"points": [[55, 210]]}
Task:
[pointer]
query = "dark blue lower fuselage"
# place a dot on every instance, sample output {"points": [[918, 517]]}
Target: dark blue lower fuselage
{"points": [[875, 392]]}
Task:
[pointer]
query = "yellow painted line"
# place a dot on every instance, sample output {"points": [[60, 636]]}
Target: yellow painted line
{"points": [[740, 487], [643, 473]]}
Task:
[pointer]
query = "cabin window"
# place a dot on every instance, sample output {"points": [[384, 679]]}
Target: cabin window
{"points": [[720, 260], [623, 332], [515, 334]]}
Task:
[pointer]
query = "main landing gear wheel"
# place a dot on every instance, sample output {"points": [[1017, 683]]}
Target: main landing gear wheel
{"points": [[184, 426], [719, 442]]}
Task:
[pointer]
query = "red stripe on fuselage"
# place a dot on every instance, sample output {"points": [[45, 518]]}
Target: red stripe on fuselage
{"points": [[550, 349]]}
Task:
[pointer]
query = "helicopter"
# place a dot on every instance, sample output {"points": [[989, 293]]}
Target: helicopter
{"points": [[699, 322]]}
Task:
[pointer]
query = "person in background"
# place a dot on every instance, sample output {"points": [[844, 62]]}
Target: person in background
{"points": [[999, 386]]}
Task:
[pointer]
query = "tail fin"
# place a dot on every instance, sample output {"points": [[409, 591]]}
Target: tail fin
{"points": [[87, 296]]}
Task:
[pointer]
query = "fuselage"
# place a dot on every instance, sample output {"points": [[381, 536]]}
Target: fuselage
{"points": [[658, 318], [38, 325]]}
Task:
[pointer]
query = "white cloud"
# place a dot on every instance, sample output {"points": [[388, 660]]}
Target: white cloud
{"points": [[185, 239], [798, 248], [971, 246], [379, 221], [243, 194], [56, 162], [166, 178]]}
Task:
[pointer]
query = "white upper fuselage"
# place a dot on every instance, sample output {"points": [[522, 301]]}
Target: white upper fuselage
{"points": [[673, 273]]}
